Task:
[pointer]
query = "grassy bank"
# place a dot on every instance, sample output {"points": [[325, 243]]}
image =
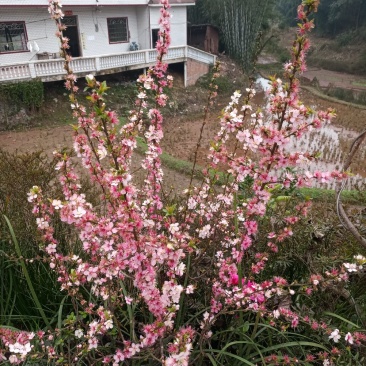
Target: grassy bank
{"points": [[275, 69], [180, 166], [318, 194], [328, 98]]}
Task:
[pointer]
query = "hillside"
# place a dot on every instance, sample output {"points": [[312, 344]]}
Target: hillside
{"points": [[335, 54]]}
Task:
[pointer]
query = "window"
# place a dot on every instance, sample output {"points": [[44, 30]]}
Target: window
{"points": [[154, 36], [117, 30], [13, 37]]}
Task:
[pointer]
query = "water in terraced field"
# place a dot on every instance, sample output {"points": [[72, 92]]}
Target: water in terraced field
{"points": [[332, 143]]}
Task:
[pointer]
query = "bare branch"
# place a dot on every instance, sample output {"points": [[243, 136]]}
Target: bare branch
{"points": [[343, 217]]}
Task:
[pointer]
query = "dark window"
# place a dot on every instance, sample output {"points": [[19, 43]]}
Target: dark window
{"points": [[155, 36], [13, 37], [117, 30], [70, 21]]}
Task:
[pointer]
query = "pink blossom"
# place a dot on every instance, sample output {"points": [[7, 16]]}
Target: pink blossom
{"points": [[349, 338], [137, 253]]}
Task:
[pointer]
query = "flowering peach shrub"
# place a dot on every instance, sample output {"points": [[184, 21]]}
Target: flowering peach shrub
{"points": [[153, 282]]}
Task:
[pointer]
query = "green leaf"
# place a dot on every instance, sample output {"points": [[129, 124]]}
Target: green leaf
{"points": [[26, 274], [169, 210], [59, 318], [341, 318], [214, 363], [245, 327], [287, 345], [283, 198], [243, 360]]}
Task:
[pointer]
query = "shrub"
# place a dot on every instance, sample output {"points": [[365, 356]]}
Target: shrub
{"points": [[28, 94], [355, 67], [273, 47], [34, 169], [19, 171], [347, 95], [189, 281], [345, 38], [223, 84]]}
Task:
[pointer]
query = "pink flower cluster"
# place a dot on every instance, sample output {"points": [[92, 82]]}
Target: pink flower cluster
{"points": [[18, 344], [136, 254]]}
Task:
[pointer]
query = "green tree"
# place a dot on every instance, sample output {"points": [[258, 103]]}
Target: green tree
{"points": [[333, 17], [347, 14], [239, 22], [286, 12]]}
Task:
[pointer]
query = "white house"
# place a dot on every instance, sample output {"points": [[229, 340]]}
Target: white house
{"points": [[106, 36]]}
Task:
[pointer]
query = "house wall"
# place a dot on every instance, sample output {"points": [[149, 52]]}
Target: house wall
{"points": [[41, 28], [212, 40], [97, 42], [143, 21], [178, 23]]}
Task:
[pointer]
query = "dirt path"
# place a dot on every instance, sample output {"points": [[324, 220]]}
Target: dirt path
{"points": [[51, 139], [47, 139], [181, 134]]}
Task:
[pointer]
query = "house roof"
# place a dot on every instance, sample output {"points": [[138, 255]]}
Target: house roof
{"points": [[91, 2], [174, 2], [73, 2]]}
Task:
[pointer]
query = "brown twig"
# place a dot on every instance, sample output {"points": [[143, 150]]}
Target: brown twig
{"points": [[343, 217]]}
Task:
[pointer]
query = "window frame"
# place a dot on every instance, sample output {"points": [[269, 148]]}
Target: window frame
{"points": [[154, 35], [127, 29], [25, 36]]}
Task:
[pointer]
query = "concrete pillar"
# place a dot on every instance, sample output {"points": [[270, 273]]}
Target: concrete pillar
{"points": [[97, 64], [32, 70]]}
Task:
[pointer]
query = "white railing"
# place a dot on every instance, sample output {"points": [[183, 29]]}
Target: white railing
{"points": [[54, 68], [122, 60], [48, 68], [84, 64], [199, 55], [15, 72]]}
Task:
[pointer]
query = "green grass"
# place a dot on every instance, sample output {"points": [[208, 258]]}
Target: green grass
{"points": [[359, 83], [183, 166], [270, 69], [179, 165], [275, 69], [321, 95], [319, 194]]}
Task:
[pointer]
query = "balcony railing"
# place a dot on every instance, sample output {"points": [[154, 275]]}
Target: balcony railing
{"points": [[47, 70]]}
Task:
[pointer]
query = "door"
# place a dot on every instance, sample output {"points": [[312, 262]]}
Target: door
{"points": [[72, 33], [154, 37]]}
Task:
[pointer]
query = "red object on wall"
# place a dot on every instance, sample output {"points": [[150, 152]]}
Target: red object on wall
{"points": [[68, 13]]}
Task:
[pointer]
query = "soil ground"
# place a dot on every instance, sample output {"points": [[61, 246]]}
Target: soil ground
{"points": [[180, 135], [325, 54], [55, 138], [183, 124]]}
